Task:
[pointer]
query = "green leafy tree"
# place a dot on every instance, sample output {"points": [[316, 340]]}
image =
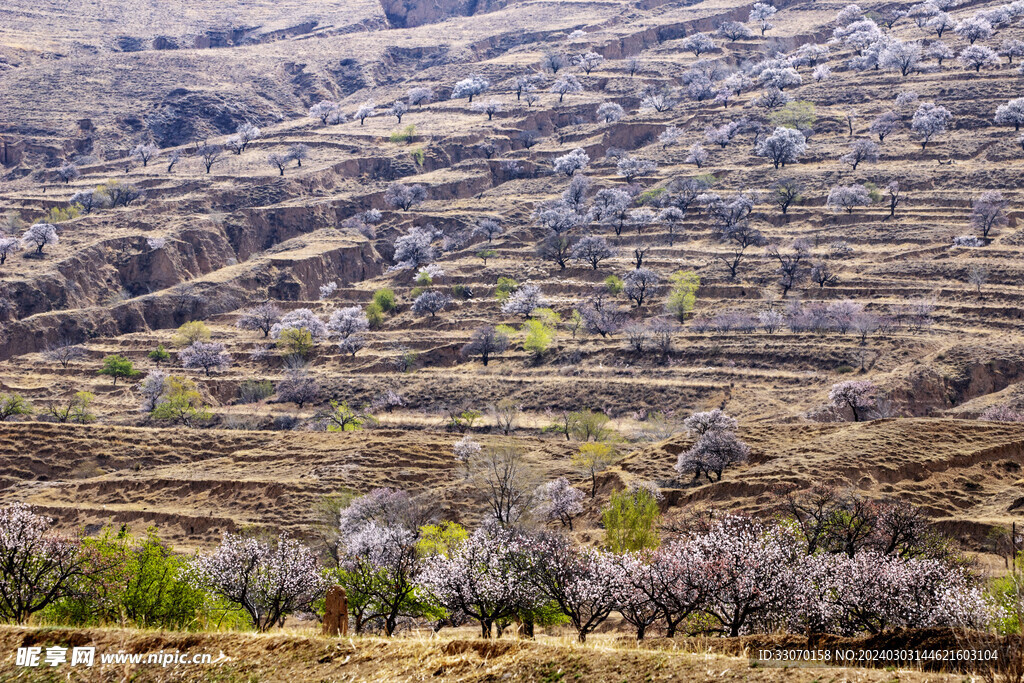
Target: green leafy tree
{"points": [[159, 355], [614, 284], [181, 403], [155, 596], [132, 581], [374, 315], [118, 367], [440, 539], [548, 316], [592, 459], [373, 592], [360, 589], [13, 404], [539, 337], [462, 420], [191, 332], [682, 294], [75, 409], [798, 114], [341, 418], [575, 323], [631, 521], [588, 424], [485, 254], [296, 341]]}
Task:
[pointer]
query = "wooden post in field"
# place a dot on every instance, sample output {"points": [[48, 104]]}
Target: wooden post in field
{"points": [[335, 612]]}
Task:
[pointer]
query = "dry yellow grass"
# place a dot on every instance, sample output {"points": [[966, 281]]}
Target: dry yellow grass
{"points": [[302, 659]]}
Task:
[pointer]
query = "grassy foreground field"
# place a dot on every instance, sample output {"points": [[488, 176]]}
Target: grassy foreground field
{"points": [[301, 658]]}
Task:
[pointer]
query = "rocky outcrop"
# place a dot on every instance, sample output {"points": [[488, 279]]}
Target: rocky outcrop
{"points": [[409, 13], [283, 277], [957, 375], [184, 116], [66, 300], [396, 63]]}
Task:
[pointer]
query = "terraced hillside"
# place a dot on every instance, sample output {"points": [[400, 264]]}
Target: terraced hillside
{"points": [[936, 328], [966, 476]]}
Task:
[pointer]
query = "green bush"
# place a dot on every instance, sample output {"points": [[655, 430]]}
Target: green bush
{"points": [[385, 298], [139, 582], [873, 192], [191, 332], [650, 197], [159, 355], [406, 135], [251, 390], [798, 114], [374, 315], [505, 287], [631, 521], [58, 214]]}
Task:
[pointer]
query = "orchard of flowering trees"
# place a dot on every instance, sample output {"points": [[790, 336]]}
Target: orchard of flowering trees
{"points": [[730, 576], [268, 581], [832, 562]]}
